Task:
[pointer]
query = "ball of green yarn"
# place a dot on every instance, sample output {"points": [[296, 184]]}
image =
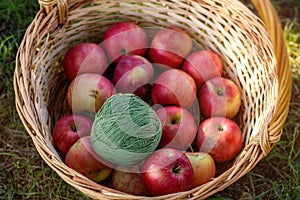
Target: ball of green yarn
{"points": [[125, 130]]}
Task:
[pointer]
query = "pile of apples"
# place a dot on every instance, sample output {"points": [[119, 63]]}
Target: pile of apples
{"points": [[195, 103]]}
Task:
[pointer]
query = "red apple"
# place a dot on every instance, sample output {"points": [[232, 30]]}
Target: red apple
{"points": [[170, 46], [204, 167], [219, 97], [144, 92], [82, 158], [174, 87], [124, 38], [167, 171], [85, 57], [88, 92], [132, 73], [178, 127], [69, 129], [220, 137], [129, 181], [202, 66]]}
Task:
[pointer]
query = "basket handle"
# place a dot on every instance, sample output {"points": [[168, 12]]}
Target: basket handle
{"points": [[269, 16], [61, 5]]}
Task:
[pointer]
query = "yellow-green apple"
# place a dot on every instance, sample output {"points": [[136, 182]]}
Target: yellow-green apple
{"points": [[69, 129], [82, 158], [85, 57], [220, 137], [87, 93], [203, 65], [129, 181], [219, 96], [174, 87], [178, 127], [132, 74], [170, 46], [204, 167], [124, 38], [167, 171]]}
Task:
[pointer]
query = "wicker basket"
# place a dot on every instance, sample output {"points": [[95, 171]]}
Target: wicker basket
{"points": [[252, 49]]}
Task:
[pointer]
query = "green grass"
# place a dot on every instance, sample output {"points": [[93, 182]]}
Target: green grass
{"points": [[24, 175]]}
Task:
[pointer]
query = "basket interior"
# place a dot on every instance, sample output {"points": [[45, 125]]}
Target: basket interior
{"points": [[227, 28]]}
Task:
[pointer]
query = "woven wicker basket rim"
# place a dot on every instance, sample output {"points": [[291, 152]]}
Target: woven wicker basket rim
{"points": [[30, 108]]}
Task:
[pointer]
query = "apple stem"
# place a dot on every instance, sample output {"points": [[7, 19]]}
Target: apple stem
{"points": [[73, 127], [191, 148], [176, 169], [174, 120], [93, 94], [220, 128], [123, 51], [220, 92]]}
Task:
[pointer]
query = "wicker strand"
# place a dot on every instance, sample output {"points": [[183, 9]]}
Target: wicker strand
{"points": [[271, 19], [47, 5], [125, 130], [62, 6]]}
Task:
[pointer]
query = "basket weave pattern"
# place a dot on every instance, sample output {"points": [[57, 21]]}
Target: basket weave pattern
{"points": [[252, 50]]}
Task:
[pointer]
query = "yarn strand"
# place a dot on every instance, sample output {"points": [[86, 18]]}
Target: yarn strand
{"points": [[125, 130]]}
